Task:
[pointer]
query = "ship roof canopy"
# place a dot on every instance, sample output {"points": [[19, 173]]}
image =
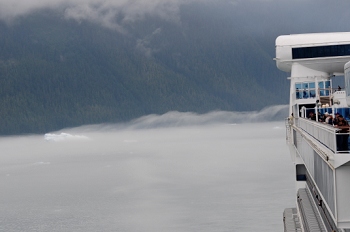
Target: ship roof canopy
{"points": [[313, 39]]}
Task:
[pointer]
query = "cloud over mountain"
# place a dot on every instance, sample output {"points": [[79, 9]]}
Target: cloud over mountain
{"points": [[115, 14], [110, 13]]}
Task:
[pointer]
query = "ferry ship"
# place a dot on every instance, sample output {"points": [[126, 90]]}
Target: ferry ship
{"points": [[319, 148]]}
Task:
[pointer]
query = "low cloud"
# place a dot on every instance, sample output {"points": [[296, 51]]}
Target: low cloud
{"points": [[104, 12], [179, 119], [184, 119], [143, 45], [254, 14], [109, 13]]}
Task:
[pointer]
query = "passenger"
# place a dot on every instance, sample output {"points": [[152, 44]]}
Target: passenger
{"points": [[343, 136], [335, 120], [329, 118], [305, 94], [326, 117], [312, 116], [339, 88], [321, 117], [291, 119], [330, 121], [298, 93]]}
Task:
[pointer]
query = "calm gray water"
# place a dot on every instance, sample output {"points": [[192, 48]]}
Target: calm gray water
{"points": [[219, 177]]}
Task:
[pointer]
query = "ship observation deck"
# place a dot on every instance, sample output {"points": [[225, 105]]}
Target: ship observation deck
{"points": [[318, 128], [323, 138]]}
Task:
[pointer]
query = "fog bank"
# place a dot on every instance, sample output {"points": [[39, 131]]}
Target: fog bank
{"points": [[205, 177]]}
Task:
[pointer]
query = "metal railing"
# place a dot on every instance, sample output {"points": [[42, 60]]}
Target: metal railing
{"points": [[324, 133], [288, 123]]}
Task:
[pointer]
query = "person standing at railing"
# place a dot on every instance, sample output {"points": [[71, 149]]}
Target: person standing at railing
{"points": [[298, 94], [343, 136], [291, 119], [312, 116], [321, 117], [329, 118], [305, 94], [335, 120]]}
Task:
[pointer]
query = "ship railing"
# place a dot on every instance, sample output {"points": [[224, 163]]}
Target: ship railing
{"points": [[288, 123], [327, 91], [322, 132]]}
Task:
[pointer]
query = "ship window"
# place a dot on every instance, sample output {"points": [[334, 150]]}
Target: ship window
{"points": [[321, 51], [328, 88], [324, 88], [312, 93], [305, 90], [298, 91]]}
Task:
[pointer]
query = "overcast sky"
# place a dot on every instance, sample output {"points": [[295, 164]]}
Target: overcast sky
{"points": [[297, 16]]}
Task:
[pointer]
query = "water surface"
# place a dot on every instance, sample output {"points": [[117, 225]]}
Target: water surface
{"points": [[219, 177]]}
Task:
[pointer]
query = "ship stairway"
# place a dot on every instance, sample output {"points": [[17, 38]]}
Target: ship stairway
{"points": [[311, 218], [291, 220]]}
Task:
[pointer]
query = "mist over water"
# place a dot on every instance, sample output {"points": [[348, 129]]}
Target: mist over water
{"points": [[222, 171]]}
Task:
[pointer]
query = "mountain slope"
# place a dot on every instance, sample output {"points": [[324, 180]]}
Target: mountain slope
{"points": [[57, 73]]}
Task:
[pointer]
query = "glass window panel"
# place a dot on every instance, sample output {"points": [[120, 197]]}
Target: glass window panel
{"points": [[297, 85], [312, 93], [322, 90], [328, 84], [305, 85], [321, 51], [298, 94], [321, 85], [312, 85], [305, 93]]}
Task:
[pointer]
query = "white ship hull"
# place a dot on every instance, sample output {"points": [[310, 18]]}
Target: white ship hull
{"points": [[319, 150]]}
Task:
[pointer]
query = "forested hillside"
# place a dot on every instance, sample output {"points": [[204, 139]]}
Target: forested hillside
{"points": [[57, 72]]}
